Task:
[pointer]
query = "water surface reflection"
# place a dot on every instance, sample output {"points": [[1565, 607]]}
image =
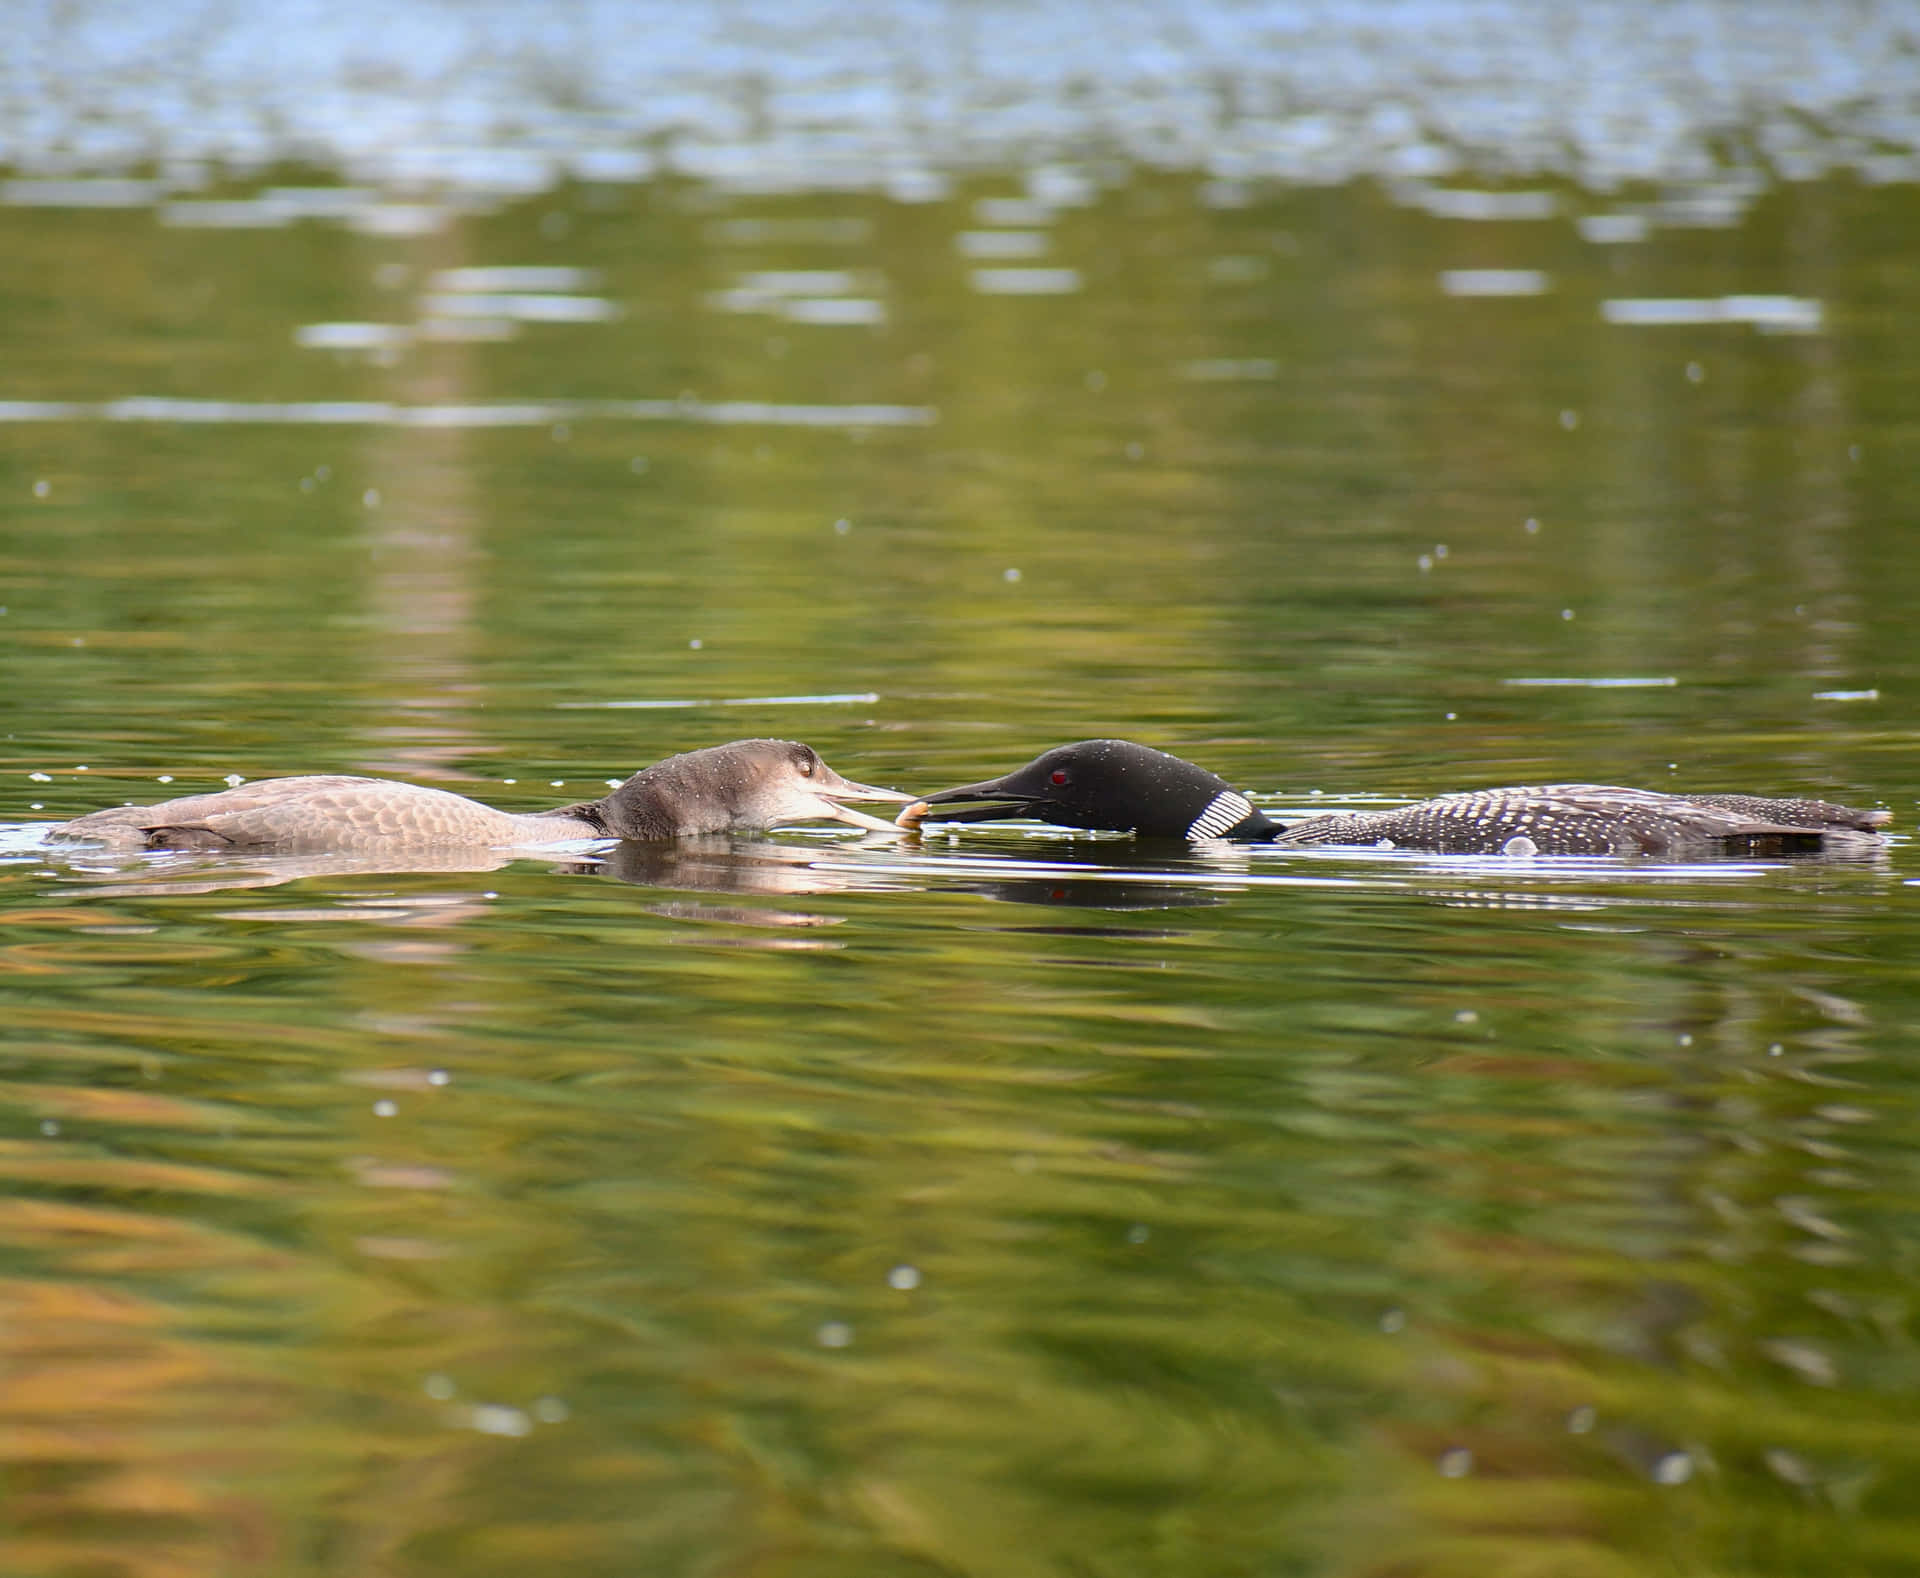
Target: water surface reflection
{"points": [[1476, 401]]}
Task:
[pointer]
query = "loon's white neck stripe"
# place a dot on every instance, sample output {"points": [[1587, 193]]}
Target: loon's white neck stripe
{"points": [[1223, 811]]}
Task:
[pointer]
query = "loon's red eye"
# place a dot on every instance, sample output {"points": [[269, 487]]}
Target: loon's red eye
{"points": [[1058, 776]]}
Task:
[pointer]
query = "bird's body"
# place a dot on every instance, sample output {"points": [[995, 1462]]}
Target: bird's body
{"points": [[747, 786], [1593, 819], [331, 814], [1122, 786]]}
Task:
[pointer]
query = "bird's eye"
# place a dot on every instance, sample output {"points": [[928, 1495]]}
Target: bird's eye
{"points": [[805, 765], [1058, 776]]}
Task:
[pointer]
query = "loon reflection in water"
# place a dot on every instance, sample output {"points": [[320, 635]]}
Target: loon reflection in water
{"points": [[748, 786], [1121, 786]]}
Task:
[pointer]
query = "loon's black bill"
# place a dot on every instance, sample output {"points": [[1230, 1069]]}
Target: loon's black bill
{"points": [[986, 789], [1000, 804], [922, 811]]}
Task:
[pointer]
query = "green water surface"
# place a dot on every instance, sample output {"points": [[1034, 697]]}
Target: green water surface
{"points": [[1008, 1203]]}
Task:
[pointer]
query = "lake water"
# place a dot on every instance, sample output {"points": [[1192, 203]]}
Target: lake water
{"points": [[1363, 413]]}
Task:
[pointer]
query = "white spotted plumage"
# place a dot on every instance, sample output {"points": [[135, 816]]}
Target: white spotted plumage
{"points": [[1596, 819]]}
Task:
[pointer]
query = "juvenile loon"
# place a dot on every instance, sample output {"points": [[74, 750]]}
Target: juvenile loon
{"points": [[1118, 785], [747, 786]]}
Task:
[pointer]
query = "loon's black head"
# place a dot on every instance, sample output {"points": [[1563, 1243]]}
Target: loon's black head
{"points": [[1111, 784]]}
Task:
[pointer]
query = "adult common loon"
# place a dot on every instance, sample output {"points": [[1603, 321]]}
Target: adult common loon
{"points": [[747, 786], [1118, 785]]}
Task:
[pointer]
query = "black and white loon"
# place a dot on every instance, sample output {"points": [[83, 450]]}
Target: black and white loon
{"points": [[1117, 785], [747, 786]]}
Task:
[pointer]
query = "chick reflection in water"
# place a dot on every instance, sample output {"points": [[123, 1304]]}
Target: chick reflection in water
{"points": [[746, 787]]}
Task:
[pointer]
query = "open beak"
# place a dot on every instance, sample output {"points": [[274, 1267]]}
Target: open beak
{"points": [[830, 788], [1001, 803]]}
